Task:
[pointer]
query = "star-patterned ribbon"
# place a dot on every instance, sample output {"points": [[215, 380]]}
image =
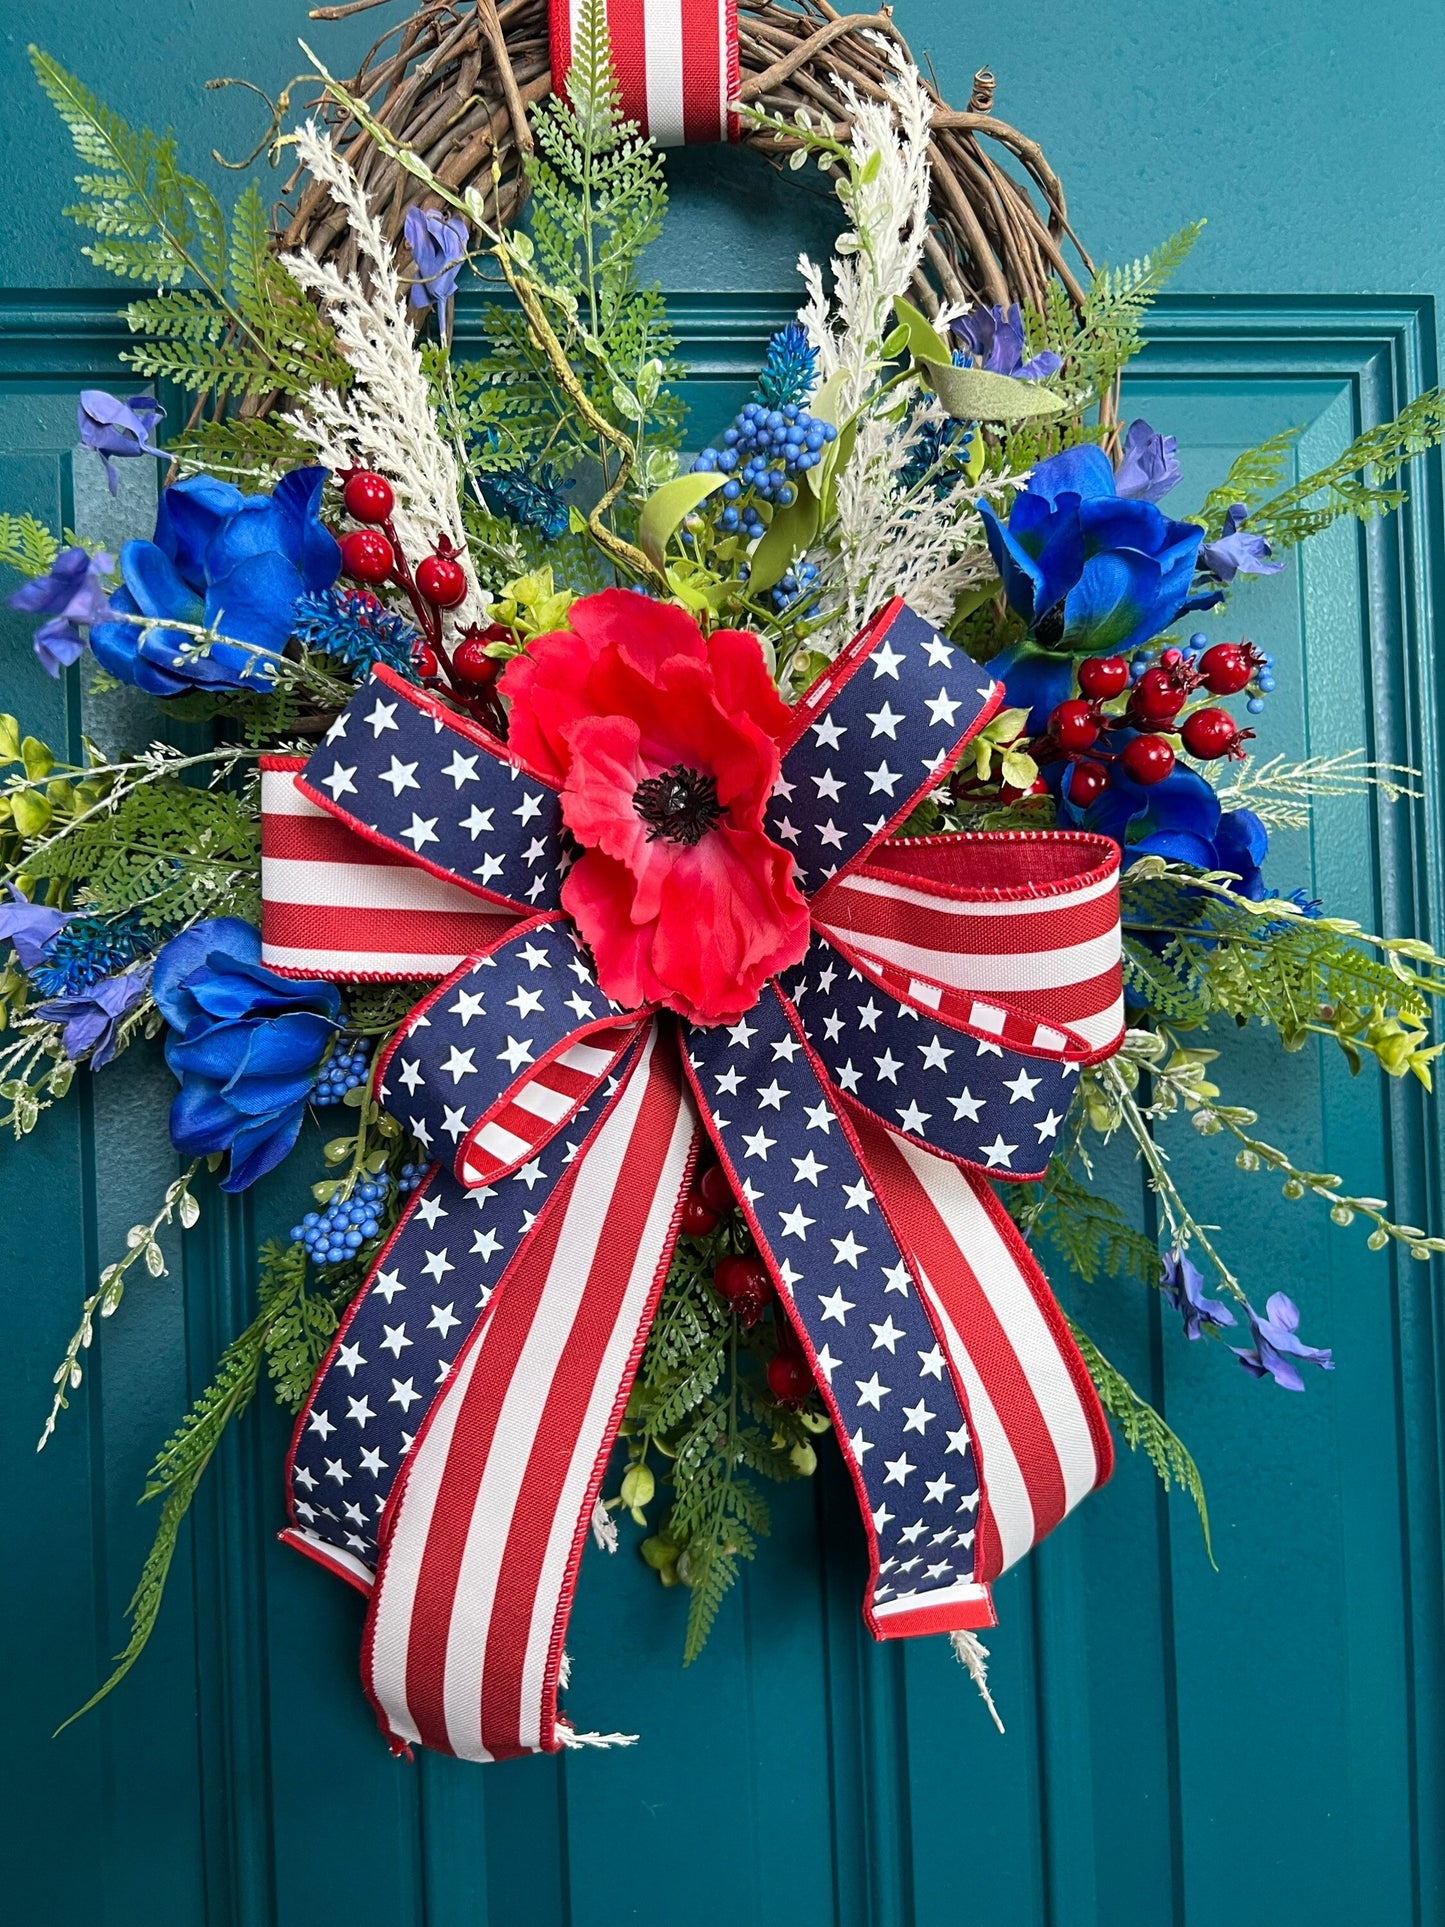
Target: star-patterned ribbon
{"points": [[449, 1455]]}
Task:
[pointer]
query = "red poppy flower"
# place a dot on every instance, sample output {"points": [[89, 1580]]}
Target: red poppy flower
{"points": [[664, 744]]}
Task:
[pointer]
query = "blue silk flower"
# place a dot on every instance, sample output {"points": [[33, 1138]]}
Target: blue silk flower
{"points": [[1092, 572], [218, 558], [244, 1043]]}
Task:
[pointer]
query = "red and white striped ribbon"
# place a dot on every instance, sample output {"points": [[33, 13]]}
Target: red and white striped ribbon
{"points": [[498, 1489], [1037, 1427], [1018, 915], [339, 906], [676, 63]]}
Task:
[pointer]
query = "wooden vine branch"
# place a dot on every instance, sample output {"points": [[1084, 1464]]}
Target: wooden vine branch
{"points": [[455, 82]]}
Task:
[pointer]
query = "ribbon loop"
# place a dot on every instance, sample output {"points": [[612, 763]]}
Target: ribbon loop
{"points": [[1026, 920], [409, 774], [676, 63], [873, 735], [489, 1067]]}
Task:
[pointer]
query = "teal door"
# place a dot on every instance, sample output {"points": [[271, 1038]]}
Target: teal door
{"points": [[1240, 1748]]}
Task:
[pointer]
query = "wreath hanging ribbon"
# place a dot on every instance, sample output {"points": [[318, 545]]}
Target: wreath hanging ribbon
{"points": [[449, 1456], [676, 63]]}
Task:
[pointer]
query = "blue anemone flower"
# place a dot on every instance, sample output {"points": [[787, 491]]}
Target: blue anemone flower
{"points": [[245, 1044], [994, 338], [236, 562], [1090, 572]]}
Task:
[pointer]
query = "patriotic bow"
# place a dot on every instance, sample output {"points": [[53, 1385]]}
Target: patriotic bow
{"points": [[449, 1455]]}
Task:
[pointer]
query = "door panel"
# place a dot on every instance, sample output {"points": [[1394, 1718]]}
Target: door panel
{"points": [[1244, 1747]]}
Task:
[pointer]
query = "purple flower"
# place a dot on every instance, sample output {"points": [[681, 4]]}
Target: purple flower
{"points": [[994, 338], [1235, 553], [438, 244], [1276, 1346], [1149, 468], [1183, 1285], [29, 926], [113, 427], [70, 595], [92, 1018]]}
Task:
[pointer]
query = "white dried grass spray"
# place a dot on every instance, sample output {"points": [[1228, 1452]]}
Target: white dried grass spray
{"points": [[384, 420]]}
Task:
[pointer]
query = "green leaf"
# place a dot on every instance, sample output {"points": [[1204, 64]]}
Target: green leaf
{"points": [[978, 395], [664, 511], [925, 343], [788, 534]]}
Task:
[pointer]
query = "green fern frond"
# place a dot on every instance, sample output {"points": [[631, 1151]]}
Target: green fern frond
{"points": [[1090, 1233], [1144, 1430], [26, 545], [1356, 484], [1110, 330]]}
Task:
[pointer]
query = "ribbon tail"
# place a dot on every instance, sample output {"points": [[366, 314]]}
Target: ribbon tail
{"points": [[1039, 1431], [463, 1643]]}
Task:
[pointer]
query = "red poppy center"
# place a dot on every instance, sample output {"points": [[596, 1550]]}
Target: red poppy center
{"points": [[680, 806]]}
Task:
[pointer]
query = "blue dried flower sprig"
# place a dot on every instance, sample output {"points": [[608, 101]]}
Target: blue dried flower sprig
{"points": [[354, 629], [89, 949], [790, 372]]}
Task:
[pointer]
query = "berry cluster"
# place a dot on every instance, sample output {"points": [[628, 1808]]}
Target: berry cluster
{"points": [[338, 1233], [762, 455], [344, 1069], [794, 583], [372, 555], [1157, 695]]}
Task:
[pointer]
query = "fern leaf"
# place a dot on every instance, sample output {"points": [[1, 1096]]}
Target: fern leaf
{"points": [[1144, 1430], [26, 545]]}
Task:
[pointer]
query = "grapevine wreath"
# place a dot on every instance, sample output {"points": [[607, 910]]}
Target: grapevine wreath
{"points": [[713, 905]]}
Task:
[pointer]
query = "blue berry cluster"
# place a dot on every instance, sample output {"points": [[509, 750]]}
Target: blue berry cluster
{"points": [[348, 1065], [762, 455], [409, 1178], [338, 1233], [795, 583]]}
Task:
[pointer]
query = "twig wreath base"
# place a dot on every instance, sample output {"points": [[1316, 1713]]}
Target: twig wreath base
{"points": [[455, 83]]}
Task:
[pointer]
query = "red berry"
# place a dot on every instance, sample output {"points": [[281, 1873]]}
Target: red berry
{"points": [[1074, 724], [472, 667], [368, 497], [1171, 658], [442, 581], [1147, 759], [424, 658], [697, 1220], [1101, 677], [717, 1193], [1226, 668], [1157, 697], [1086, 784], [740, 1280], [367, 556], [1210, 733], [789, 1379]]}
